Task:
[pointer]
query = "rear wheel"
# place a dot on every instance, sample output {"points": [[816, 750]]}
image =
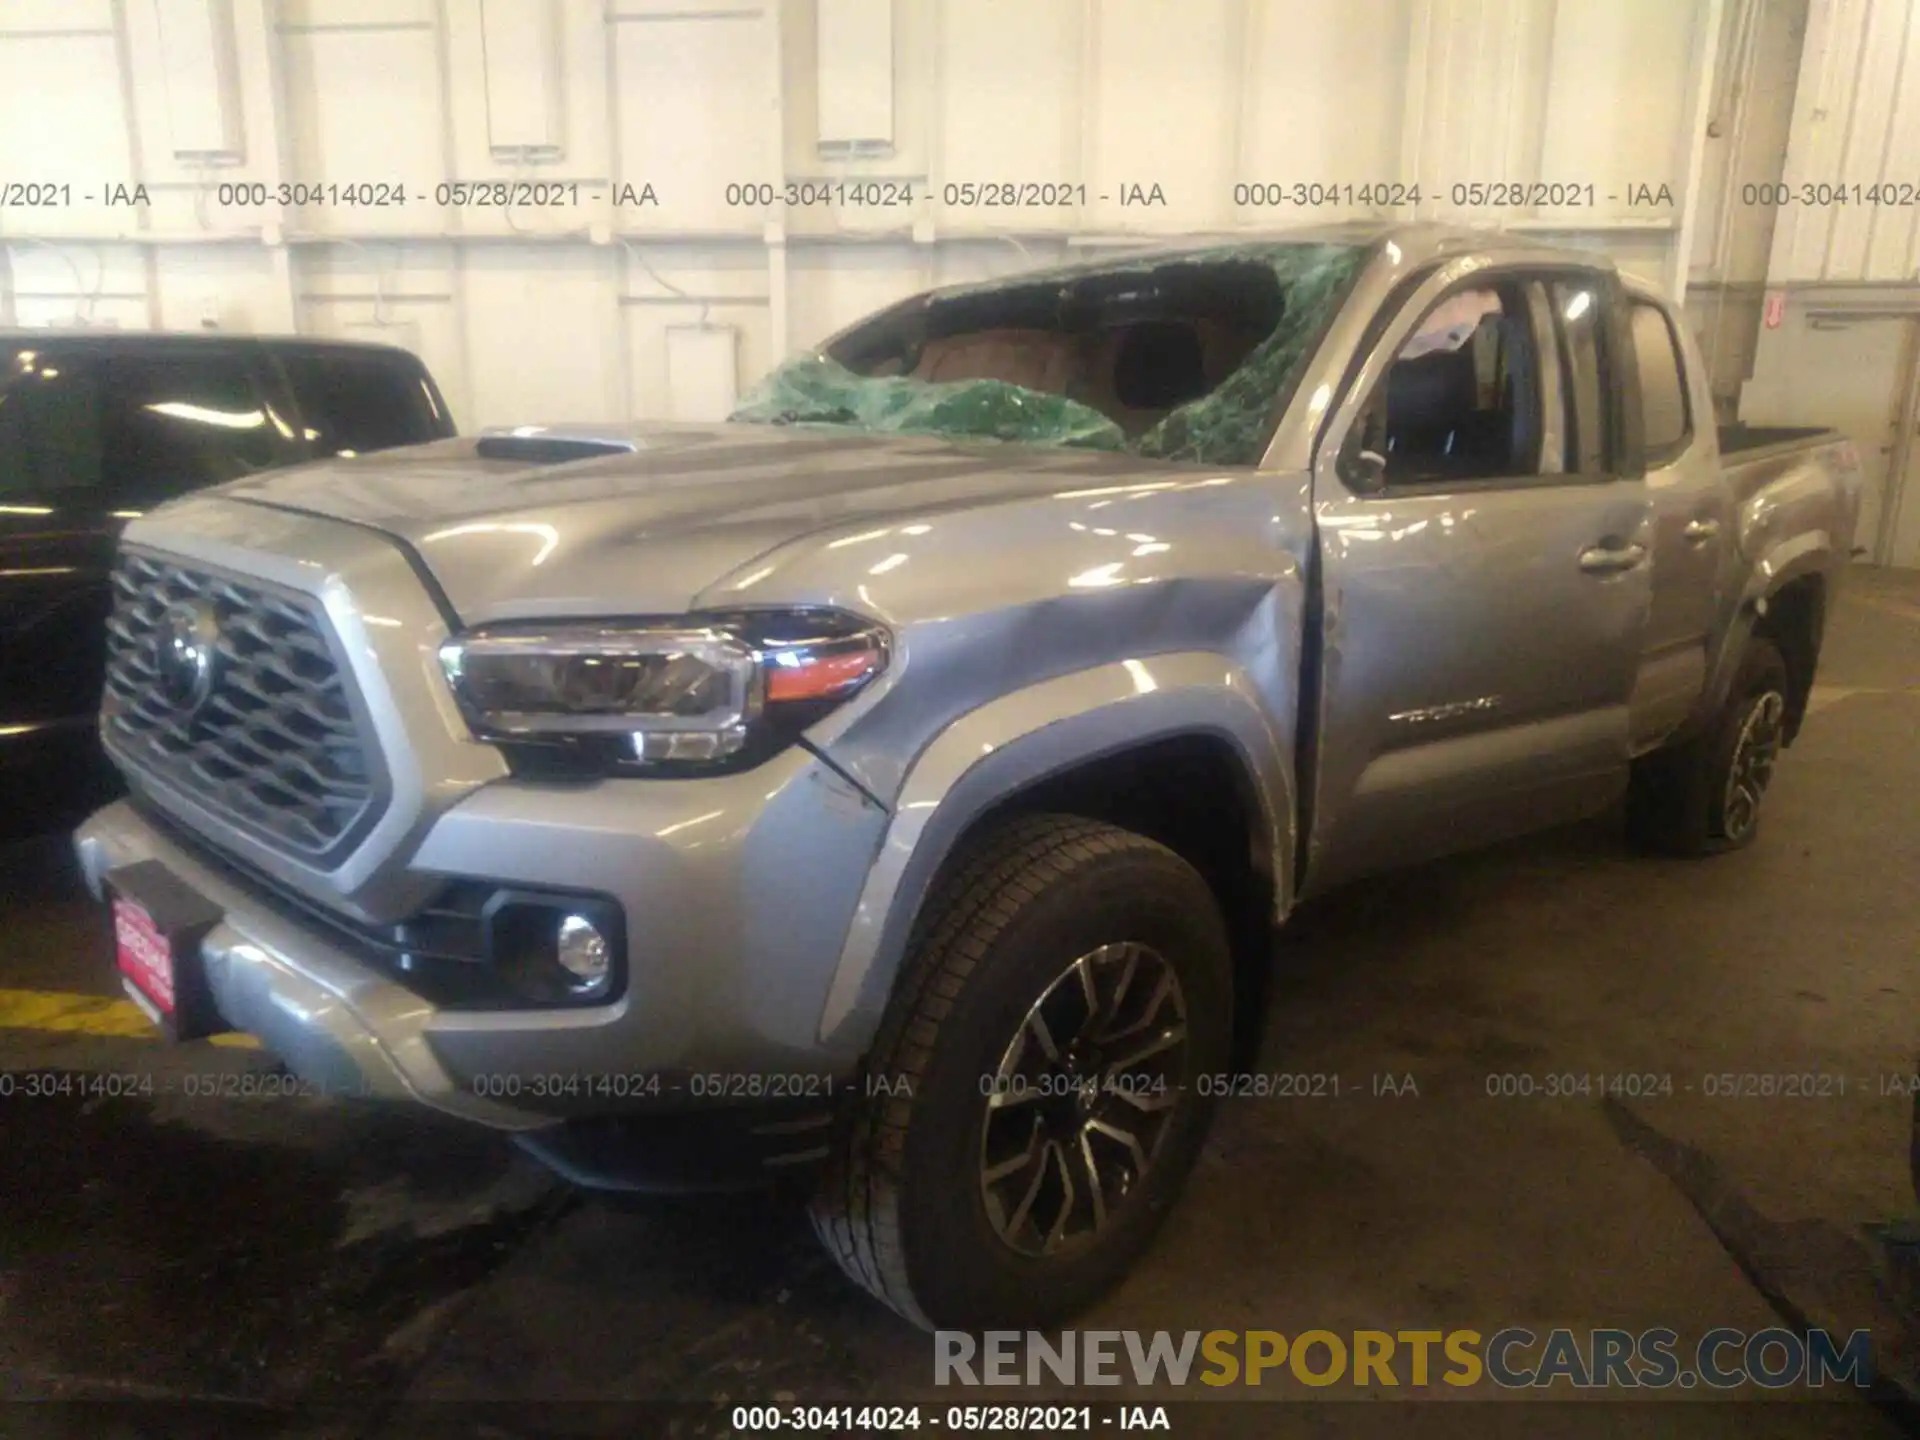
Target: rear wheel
{"points": [[1035, 1099], [1703, 797]]}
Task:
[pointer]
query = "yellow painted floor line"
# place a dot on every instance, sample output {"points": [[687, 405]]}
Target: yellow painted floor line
{"points": [[51, 1010]]}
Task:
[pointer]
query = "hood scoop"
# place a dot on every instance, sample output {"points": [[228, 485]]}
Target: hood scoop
{"points": [[543, 447]]}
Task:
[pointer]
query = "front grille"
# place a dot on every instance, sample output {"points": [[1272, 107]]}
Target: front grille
{"points": [[271, 739]]}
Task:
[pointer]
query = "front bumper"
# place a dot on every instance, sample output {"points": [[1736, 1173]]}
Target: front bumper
{"points": [[736, 892], [336, 1024]]}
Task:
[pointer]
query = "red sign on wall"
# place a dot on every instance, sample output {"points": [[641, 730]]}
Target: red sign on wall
{"points": [[1775, 311]]}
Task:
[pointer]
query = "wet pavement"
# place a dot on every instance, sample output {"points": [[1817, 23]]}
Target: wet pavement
{"points": [[173, 1230]]}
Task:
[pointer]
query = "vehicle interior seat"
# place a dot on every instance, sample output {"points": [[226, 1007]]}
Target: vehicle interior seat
{"points": [[1133, 373], [1441, 422], [1144, 370], [1041, 360]]}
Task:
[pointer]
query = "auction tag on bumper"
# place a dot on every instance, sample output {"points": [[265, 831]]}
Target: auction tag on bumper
{"points": [[144, 957], [159, 922]]}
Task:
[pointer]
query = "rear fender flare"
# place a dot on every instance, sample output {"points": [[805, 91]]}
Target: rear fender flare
{"points": [[1795, 559]]}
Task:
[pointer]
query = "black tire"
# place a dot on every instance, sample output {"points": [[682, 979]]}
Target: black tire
{"points": [[1683, 800], [904, 1206]]}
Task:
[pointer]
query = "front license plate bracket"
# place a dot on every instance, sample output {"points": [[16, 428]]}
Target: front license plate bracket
{"points": [[183, 917]]}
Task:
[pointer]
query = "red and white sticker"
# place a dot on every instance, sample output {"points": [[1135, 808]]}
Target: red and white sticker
{"points": [[142, 953], [1775, 310]]}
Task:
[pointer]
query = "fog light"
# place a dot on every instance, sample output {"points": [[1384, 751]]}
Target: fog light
{"points": [[550, 949], [583, 952]]}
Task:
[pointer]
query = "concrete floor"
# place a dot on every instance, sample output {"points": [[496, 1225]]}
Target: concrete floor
{"points": [[287, 1253]]}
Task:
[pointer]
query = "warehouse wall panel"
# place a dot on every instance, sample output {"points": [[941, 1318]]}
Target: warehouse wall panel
{"points": [[1325, 98], [694, 101], [106, 285], [579, 159], [396, 291], [542, 343], [1009, 104], [365, 112], [1162, 114], [662, 287], [1856, 127], [64, 127], [217, 285], [1616, 85], [1128, 119], [834, 285], [1841, 337], [41, 17]]}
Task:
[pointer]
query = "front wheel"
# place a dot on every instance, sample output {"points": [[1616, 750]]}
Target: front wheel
{"points": [[1035, 1092], [1703, 797]]}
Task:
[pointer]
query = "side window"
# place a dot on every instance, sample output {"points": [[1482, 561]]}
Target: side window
{"points": [[50, 431], [359, 403], [1579, 309], [1462, 397], [181, 422], [1663, 390]]}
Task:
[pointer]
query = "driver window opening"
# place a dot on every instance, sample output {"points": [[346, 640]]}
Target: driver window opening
{"points": [[1460, 400]]}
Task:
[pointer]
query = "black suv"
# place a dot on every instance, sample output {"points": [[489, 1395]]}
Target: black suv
{"points": [[96, 427]]}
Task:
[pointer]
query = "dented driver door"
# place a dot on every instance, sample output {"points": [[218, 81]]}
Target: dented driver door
{"points": [[1484, 552]]}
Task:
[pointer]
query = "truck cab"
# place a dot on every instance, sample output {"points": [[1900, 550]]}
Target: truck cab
{"points": [[1529, 555], [901, 782]]}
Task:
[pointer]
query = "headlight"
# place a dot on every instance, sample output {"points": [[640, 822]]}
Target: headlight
{"points": [[698, 690]]}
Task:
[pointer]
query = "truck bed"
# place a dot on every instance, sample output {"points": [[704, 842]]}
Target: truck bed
{"points": [[1735, 439], [1807, 474]]}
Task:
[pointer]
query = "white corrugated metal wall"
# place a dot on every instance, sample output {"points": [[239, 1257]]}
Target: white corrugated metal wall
{"points": [[662, 284], [1843, 265]]}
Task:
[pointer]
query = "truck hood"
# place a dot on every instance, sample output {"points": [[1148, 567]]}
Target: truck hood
{"points": [[514, 526]]}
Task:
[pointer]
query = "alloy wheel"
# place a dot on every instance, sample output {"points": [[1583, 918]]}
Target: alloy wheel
{"points": [[1083, 1098], [1754, 754]]}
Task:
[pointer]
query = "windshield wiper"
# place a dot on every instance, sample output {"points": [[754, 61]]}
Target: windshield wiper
{"points": [[839, 415]]}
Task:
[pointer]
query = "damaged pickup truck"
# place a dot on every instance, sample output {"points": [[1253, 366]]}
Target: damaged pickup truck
{"points": [[898, 786]]}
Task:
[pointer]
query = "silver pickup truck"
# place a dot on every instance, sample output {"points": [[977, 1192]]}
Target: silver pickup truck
{"points": [[899, 784]]}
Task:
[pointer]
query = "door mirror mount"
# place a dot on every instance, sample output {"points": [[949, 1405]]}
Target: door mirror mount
{"points": [[1365, 471]]}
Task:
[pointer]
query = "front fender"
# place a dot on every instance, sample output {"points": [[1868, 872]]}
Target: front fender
{"points": [[1008, 745]]}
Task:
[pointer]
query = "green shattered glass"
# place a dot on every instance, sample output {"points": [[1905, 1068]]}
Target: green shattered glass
{"points": [[1229, 426], [814, 390]]}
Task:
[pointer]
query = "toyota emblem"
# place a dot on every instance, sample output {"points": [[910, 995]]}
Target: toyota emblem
{"points": [[185, 648]]}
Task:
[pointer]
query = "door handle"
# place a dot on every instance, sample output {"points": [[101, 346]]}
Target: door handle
{"points": [[1610, 560], [1698, 532]]}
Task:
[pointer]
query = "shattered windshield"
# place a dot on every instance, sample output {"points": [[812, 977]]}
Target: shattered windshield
{"points": [[1179, 357]]}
